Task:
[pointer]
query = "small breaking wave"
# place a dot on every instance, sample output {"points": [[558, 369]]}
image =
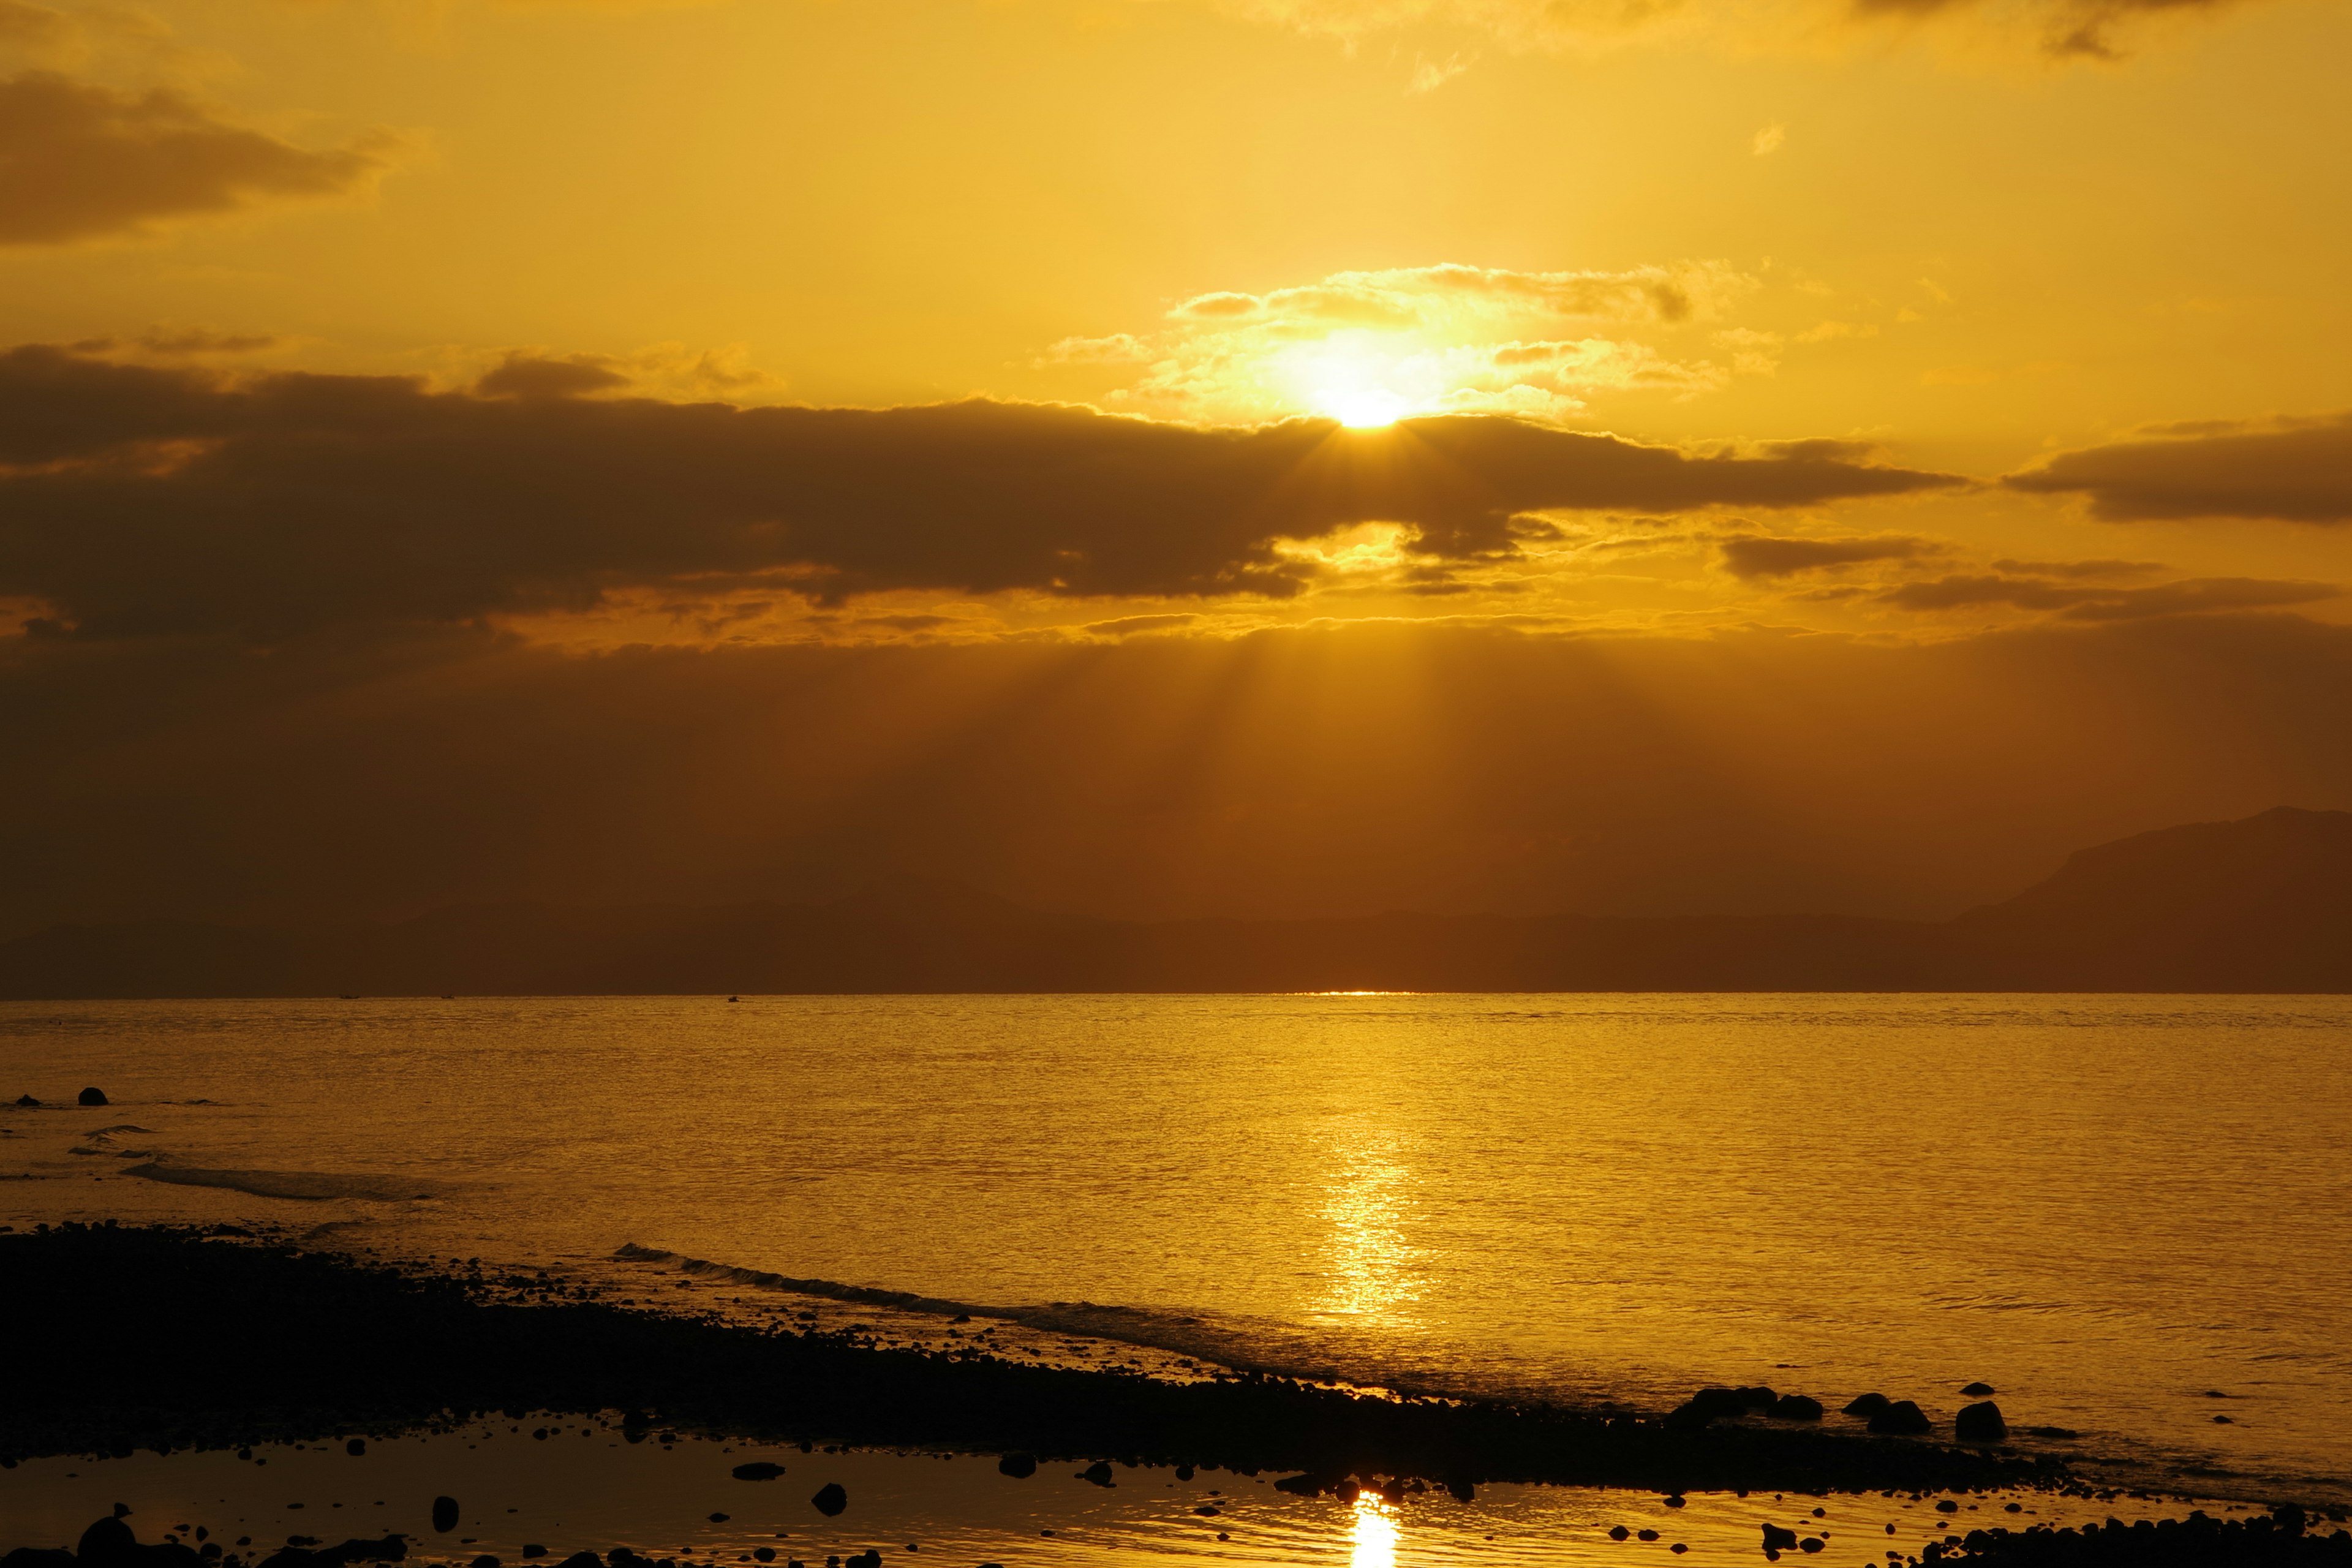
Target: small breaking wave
{"points": [[306, 1186]]}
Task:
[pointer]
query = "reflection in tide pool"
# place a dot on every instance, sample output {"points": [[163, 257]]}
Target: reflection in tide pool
{"points": [[1376, 1534]]}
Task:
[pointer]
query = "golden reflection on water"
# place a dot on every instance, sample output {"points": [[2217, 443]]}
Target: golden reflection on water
{"points": [[1374, 1270], [1376, 1534]]}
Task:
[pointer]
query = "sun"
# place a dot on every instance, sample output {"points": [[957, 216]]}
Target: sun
{"points": [[1362, 408], [1354, 377]]}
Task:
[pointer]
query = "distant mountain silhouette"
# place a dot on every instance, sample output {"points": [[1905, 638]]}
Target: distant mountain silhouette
{"points": [[2261, 905]]}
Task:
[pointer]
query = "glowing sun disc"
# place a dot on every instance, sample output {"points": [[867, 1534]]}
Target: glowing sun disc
{"points": [[1362, 407]]}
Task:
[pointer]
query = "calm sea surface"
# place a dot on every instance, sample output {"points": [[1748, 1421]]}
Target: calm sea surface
{"points": [[2103, 1207]]}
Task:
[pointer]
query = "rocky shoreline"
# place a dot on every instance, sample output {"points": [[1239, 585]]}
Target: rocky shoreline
{"points": [[177, 1338]]}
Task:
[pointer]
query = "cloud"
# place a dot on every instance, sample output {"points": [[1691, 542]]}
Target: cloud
{"points": [[2190, 596], [2079, 569], [2065, 28], [83, 161], [142, 498], [523, 374], [2292, 470], [1129, 625], [1754, 555], [1425, 339]]}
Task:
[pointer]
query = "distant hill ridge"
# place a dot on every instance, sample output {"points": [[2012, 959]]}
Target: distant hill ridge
{"points": [[2260, 905]]}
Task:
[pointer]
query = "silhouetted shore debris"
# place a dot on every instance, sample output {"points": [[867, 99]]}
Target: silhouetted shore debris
{"points": [[1795, 1407], [2286, 1536], [831, 1499], [1019, 1465], [1867, 1404], [91, 1096], [758, 1470], [26, 1100], [445, 1514], [1978, 1391], [173, 1338]]}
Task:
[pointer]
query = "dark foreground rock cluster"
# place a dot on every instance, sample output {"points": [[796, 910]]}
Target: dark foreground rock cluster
{"points": [[2288, 1538], [170, 1338]]}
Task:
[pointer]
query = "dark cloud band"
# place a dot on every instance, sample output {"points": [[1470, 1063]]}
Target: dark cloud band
{"points": [[2293, 470], [79, 161], [146, 499]]}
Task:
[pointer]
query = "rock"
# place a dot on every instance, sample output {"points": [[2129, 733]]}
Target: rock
{"points": [[1619, 1532], [1795, 1407], [2224, 1421], [830, 1499], [1980, 1423], [1646, 1535], [533, 1549], [1811, 1543], [583, 1560], [109, 1543], [38, 1557], [1867, 1404], [1778, 1540], [1461, 1491], [484, 1561], [1676, 1499], [25, 1099], [355, 1448], [1978, 1391], [1183, 1472], [764, 1554], [720, 1518], [1705, 1405], [445, 1515], [1901, 1419], [757, 1470], [1017, 1465], [1755, 1399], [1098, 1473], [1946, 1505], [91, 1096], [2063, 1434]]}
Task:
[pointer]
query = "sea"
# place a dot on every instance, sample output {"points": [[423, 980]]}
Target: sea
{"points": [[2131, 1215]]}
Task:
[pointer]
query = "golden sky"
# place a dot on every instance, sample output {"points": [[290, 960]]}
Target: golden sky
{"points": [[1762, 346]]}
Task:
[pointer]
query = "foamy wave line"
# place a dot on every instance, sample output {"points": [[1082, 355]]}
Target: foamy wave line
{"points": [[1231, 1343]]}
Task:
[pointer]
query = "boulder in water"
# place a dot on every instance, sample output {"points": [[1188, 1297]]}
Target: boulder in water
{"points": [[830, 1499], [758, 1470], [1978, 1391], [26, 1099], [1098, 1473], [1903, 1418], [445, 1515], [1867, 1404], [109, 1543], [355, 1448], [91, 1096], [1778, 1540], [1755, 1399], [1979, 1424], [1017, 1465], [1795, 1407]]}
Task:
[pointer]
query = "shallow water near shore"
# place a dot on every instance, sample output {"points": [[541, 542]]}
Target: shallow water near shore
{"points": [[582, 1488], [2129, 1214]]}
